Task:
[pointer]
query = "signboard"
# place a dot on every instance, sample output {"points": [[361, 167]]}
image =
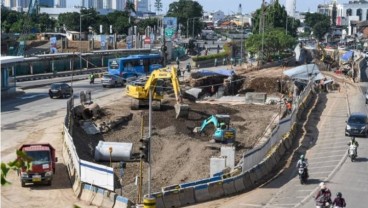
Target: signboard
{"points": [[147, 40], [53, 43], [170, 26], [98, 175], [103, 42], [129, 41]]}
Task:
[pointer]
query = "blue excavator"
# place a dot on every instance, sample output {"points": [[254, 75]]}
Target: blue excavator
{"points": [[223, 132]]}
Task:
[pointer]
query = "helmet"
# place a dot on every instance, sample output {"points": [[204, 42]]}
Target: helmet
{"points": [[322, 185], [352, 138], [302, 157], [339, 194]]}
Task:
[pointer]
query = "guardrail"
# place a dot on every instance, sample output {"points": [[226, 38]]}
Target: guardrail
{"points": [[60, 74]]}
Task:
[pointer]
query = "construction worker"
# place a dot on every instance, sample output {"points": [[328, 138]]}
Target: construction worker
{"points": [[288, 106]]}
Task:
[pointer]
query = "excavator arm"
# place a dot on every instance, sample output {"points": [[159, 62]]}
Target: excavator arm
{"points": [[142, 92], [212, 119]]}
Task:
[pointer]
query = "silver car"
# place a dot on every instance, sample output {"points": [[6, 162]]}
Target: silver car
{"points": [[111, 80]]}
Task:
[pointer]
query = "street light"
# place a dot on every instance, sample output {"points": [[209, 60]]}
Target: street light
{"points": [[192, 18], [80, 39]]}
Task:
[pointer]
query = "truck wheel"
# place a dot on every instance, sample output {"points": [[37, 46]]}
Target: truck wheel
{"points": [[23, 184]]}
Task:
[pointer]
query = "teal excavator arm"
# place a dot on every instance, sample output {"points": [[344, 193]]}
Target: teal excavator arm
{"points": [[212, 119]]}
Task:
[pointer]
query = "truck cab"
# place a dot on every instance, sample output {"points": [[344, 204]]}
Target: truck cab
{"points": [[42, 165]]}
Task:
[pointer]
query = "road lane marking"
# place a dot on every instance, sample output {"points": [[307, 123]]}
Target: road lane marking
{"points": [[30, 96], [327, 166], [324, 157]]}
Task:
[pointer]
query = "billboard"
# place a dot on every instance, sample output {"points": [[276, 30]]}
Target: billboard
{"points": [[170, 26]]}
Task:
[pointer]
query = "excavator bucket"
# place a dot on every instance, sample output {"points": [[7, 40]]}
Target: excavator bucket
{"points": [[196, 129], [181, 110]]}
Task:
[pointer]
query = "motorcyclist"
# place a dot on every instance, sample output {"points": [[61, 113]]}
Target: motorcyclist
{"points": [[302, 163], [354, 142], [92, 78], [323, 197], [339, 202]]}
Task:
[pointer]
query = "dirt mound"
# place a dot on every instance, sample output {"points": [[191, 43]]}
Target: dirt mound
{"points": [[269, 85]]}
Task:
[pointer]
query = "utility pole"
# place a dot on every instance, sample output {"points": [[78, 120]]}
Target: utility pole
{"points": [[261, 26]]}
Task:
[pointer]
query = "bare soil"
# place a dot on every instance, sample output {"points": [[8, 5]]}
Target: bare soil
{"points": [[178, 154]]}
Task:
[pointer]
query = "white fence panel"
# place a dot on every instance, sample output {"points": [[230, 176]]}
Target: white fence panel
{"points": [[98, 175], [72, 151]]}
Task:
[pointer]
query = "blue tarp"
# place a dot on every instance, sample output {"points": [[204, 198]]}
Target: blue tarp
{"points": [[222, 72], [347, 56]]}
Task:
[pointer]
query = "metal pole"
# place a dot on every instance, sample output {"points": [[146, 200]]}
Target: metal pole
{"points": [[80, 43], [263, 25], [193, 28], [188, 27], [149, 137], [241, 40]]}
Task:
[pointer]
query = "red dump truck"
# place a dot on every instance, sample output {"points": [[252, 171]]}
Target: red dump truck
{"points": [[43, 164]]}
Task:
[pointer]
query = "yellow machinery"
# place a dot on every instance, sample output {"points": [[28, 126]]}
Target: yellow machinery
{"points": [[140, 94]]}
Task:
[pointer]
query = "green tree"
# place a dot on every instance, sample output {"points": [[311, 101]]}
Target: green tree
{"points": [[186, 10], [319, 23], [119, 21], [274, 41], [144, 23], [275, 16], [22, 160], [158, 5], [129, 6]]}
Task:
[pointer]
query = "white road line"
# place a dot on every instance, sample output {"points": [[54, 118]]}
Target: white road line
{"points": [[321, 172], [305, 190], [327, 166], [319, 161], [266, 206], [329, 151], [324, 157]]}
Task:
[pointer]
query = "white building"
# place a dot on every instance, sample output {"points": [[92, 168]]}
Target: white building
{"points": [[290, 7], [347, 14]]}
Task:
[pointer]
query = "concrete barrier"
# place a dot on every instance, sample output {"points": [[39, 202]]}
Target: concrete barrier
{"points": [[280, 149], [98, 197], [88, 192], [287, 142], [109, 199], [77, 188], [239, 183], [122, 202], [253, 176], [247, 181], [228, 186], [201, 193], [260, 170], [171, 198], [215, 189], [271, 162], [267, 165], [172, 187], [186, 196], [159, 199]]}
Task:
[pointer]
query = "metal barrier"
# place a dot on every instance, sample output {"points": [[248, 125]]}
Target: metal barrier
{"points": [[122, 202]]}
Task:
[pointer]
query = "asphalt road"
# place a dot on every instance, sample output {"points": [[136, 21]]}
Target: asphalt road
{"points": [[35, 105]]}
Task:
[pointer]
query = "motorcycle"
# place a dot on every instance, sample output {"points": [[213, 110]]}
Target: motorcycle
{"points": [[302, 175], [323, 203], [352, 152]]}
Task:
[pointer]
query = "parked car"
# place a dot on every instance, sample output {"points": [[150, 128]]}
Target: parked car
{"points": [[111, 80], [60, 90], [357, 125], [366, 97]]}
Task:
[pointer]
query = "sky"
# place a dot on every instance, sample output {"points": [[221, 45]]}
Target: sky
{"points": [[248, 6]]}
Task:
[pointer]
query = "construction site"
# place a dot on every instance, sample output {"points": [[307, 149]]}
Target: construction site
{"points": [[179, 154]]}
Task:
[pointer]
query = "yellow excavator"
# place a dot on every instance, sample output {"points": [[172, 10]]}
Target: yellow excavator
{"points": [[156, 82]]}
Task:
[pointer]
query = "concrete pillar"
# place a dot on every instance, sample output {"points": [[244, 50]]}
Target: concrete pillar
{"points": [[71, 64], [102, 60], [87, 62], [13, 71], [31, 68]]}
